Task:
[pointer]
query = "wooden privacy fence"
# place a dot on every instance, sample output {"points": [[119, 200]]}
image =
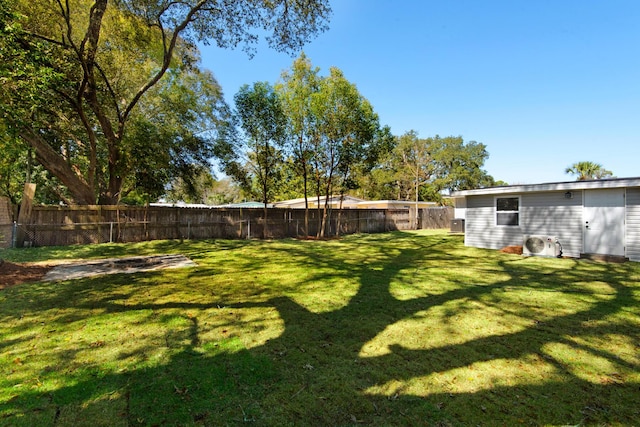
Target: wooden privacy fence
{"points": [[7, 214], [69, 225]]}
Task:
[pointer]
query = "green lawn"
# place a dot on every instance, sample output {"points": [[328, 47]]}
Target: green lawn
{"points": [[404, 328]]}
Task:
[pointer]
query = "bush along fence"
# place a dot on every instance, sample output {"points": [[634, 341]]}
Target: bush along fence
{"points": [[69, 225]]}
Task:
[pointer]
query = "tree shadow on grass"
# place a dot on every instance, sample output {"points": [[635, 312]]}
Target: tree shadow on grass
{"points": [[316, 372]]}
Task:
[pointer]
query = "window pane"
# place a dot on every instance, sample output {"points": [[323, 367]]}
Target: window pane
{"points": [[507, 204], [508, 218]]}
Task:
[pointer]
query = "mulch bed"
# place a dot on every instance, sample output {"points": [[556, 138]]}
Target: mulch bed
{"points": [[12, 274], [512, 250]]}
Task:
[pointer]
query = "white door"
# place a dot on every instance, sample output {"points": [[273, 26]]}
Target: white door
{"points": [[604, 221]]}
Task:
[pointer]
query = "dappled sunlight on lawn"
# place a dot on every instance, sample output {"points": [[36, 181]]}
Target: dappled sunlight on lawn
{"points": [[456, 321], [528, 370], [452, 323], [581, 361], [542, 304], [400, 328], [253, 327], [625, 348]]}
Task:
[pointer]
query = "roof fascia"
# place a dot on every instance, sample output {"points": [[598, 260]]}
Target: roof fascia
{"points": [[552, 186]]}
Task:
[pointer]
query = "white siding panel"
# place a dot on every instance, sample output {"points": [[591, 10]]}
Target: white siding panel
{"points": [[552, 214], [549, 213], [480, 226], [460, 209], [633, 224]]}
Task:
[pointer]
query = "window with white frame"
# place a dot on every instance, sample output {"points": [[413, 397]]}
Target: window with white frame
{"points": [[508, 211]]}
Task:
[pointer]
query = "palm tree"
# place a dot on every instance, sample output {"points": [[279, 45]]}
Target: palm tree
{"points": [[588, 170]]}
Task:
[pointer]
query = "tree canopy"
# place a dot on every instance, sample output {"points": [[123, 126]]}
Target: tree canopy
{"points": [[345, 131], [106, 102], [414, 168], [87, 84], [262, 119], [296, 88]]}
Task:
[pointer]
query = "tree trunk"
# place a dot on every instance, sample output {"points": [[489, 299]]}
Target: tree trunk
{"points": [[265, 232], [112, 195], [416, 212], [323, 223], [80, 190], [320, 216], [306, 200], [339, 214], [24, 216]]}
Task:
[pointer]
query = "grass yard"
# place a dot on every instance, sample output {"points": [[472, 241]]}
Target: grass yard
{"points": [[404, 328]]}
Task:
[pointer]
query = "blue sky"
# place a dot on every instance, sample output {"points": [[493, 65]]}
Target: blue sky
{"points": [[542, 83]]}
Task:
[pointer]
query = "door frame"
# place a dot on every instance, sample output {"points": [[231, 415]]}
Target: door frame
{"points": [[620, 223]]}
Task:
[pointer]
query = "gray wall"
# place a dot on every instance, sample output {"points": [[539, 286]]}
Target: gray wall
{"points": [[553, 214], [545, 213]]}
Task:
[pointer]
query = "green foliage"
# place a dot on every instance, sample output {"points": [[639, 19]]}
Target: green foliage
{"points": [[26, 70], [108, 94], [458, 166], [588, 170], [423, 168], [296, 88], [343, 138], [288, 26], [336, 145], [415, 165], [12, 173], [334, 136], [17, 166], [262, 120], [204, 189], [172, 133]]}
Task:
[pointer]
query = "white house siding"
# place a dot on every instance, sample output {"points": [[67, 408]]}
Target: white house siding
{"points": [[545, 210], [548, 213], [552, 214], [480, 225], [633, 224], [460, 209]]}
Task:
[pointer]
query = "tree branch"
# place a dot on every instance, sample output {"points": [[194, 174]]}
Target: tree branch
{"points": [[57, 165], [168, 55]]}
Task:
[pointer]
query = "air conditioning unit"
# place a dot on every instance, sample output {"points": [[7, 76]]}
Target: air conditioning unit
{"points": [[539, 245]]}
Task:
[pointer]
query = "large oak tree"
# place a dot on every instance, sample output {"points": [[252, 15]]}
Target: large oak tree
{"points": [[425, 168], [76, 75]]}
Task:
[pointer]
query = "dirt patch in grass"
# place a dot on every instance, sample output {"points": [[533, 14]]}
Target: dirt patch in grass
{"points": [[81, 269], [12, 274]]}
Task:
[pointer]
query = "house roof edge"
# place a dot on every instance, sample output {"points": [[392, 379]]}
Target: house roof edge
{"points": [[552, 186]]}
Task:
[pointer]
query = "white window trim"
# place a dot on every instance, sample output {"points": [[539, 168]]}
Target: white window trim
{"points": [[495, 210]]}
